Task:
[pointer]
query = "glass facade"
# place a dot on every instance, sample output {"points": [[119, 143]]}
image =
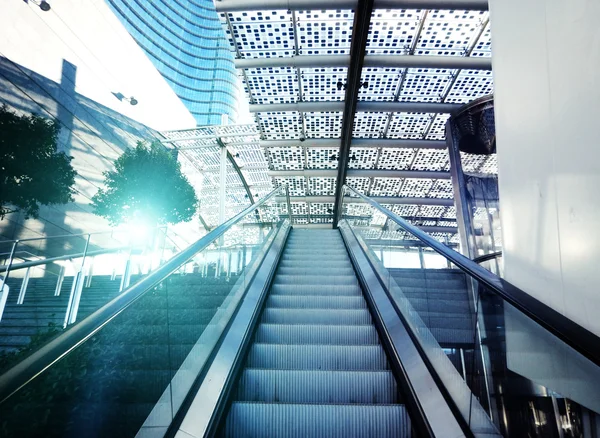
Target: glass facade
{"points": [[186, 43]]}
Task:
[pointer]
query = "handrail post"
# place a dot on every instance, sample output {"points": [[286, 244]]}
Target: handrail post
{"points": [[4, 289], [10, 262], [24, 284], [289, 204], [59, 281], [75, 296]]}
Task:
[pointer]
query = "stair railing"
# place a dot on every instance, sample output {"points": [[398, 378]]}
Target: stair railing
{"points": [[20, 374], [574, 335]]}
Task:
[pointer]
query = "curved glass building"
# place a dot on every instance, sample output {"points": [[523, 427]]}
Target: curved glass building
{"points": [[186, 43]]}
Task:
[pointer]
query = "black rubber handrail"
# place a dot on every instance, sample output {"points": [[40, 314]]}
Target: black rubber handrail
{"points": [[487, 257], [30, 367], [574, 335]]}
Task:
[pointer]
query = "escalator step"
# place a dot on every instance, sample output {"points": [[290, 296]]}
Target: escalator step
{"points": [[315, 289], [317, 334], [316, 302], [317, 357], [323, 269], [316, 279], [295, 386], [317, 316], [267, 420]]}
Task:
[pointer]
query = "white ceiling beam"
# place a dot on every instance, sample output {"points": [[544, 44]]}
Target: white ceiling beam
{"points": [[380, 107], [389, 61], [356, 142], [364, 173], [309, 5], [380, 199]]}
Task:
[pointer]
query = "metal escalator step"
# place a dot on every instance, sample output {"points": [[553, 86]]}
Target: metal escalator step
{"points": [[317, 357], [316, 302], [296, 386], [316, 279], [324, 269], [315, 258], [317, 334], [310, 263], [266, 420], [317, 316], [315, 289]]}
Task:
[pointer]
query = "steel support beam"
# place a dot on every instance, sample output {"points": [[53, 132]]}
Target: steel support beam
{"points": [[364, 173], [238, 171], [357, 142], [308, 5], [389, 61], [358, 47], [380, 107], [380, 199]]}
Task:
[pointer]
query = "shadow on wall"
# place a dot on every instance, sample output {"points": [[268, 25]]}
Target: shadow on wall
{"points": [[91, 133]]}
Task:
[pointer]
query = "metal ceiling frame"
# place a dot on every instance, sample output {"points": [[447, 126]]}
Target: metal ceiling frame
{"points": [[394, 200], [307, 5], [363, 106], [360, 173], [385, 61]]}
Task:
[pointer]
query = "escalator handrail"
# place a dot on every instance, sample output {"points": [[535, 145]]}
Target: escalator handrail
{"points": [[488, 257], [574, 335], [30, 367]]}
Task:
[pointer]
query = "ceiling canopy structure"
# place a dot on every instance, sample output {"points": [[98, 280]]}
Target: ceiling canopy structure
{"points": [[354, 92]]}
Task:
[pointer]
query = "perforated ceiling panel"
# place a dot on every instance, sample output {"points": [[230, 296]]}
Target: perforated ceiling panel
{"points": [[449, 33], [392, 31], [408, 125], [322, 33], [280, 125], [323, 125], [320, 84]]}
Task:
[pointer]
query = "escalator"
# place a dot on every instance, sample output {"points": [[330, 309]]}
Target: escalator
{"points": [[272, 331], [316, 367]]}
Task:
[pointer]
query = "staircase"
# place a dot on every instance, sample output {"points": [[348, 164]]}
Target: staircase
{"points": [[109, 385], [42, 311], [316, 367]]}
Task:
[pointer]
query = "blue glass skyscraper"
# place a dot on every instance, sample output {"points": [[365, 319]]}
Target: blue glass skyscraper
{"points": [[186, 43]]}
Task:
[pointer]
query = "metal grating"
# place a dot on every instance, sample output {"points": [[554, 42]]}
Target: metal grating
{"points": [[324, 32]]}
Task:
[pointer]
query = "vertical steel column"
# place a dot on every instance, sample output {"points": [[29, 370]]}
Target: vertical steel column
{"points": [[75, 296], [4, 289], [59, 281], [222, 184], [421, 257], [126, 273], [463, 210], [24, 284]]}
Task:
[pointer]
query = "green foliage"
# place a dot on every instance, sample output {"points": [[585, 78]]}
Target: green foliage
{"points": [[37, 340], [147, 185], [31, 171]]}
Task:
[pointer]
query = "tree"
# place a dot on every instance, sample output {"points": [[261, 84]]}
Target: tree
{"points": [[147, 185], [31, 171]]}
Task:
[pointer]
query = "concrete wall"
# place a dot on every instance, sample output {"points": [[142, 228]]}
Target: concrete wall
{"points": [[66, 64], [546, 60]]}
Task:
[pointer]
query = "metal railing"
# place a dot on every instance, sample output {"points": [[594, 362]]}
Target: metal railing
{"points": [[83, 272], [574, 335], [37, 362]]}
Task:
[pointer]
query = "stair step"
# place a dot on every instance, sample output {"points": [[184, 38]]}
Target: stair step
{"points": [[298, 386], [324, 269], [317, 316], [315, 289], [267, 420], [316, 279], [317, 357], [317, 334], [315, 302]]}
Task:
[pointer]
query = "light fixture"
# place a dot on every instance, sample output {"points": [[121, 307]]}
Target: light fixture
{"points": [[133, 101], [44, 6]]}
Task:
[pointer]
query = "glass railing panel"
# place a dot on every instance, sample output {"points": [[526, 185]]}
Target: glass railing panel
{"points": [[505, 372], [134, 373]]}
